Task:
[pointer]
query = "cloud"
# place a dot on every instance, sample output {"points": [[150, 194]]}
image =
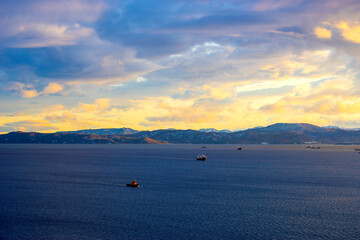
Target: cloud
{"points": [[35, 35], [62, 117], [52, 40], [105, 62], [322, 32], [54, 108], [323, 104], [52, 10], [39, 23], [140, 79], [28, 91], [30, 125], [266, 5], [350, 32], [17, 86], [53, 88], [100, 104], [167, 29]]}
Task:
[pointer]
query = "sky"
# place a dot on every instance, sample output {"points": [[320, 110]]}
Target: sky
{"points": [[224, 64]]}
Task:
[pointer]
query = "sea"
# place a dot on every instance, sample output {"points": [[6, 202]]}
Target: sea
{"points": [[261, 192]]}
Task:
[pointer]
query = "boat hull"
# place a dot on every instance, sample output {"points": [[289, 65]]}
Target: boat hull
{"points": [[133, 185]]}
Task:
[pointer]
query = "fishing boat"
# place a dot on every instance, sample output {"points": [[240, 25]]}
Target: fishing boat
{"points": [[134, 184], [201, 157]]}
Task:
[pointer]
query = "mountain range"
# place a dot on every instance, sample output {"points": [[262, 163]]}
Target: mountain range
{"points": [[279, 133]]}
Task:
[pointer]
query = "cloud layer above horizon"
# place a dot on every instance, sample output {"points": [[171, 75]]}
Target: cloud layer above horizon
{"points": [[67, 65]]}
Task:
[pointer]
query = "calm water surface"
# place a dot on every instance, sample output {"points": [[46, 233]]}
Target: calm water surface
{"points": [[261, 192]]}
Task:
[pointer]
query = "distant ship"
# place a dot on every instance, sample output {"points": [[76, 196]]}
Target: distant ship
{"points": [[313, 147], [133, 184], [201, 157], [239, 148]]}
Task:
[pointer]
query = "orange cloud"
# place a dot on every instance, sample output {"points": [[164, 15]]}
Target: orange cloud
{"points": [[350, 32], [329, 99], [99, 105], [63, 117], [319, 102], [54, 108], [102, 103], [30, 125], [322, 32], [29, 93], [52, 88]]}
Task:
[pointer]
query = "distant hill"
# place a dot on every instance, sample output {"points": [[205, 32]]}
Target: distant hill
{"points": [[279, 133], [207, 130], [72, 138], [105, 131], [187, 136]]}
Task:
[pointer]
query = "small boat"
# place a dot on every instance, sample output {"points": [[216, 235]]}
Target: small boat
{"points": [[201, 157], [133, 184], [203, 146], [239, 148], [313, 147]]}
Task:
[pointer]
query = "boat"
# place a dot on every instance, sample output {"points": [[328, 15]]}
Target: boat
{"points": [[203, 146], [201, 157], [134, 184], [313, 147], [239, 148]]}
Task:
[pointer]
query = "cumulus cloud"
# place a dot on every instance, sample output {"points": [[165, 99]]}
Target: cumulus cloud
{"points": [[29, 93], [53, 88], [350, 32], [322, 32]]}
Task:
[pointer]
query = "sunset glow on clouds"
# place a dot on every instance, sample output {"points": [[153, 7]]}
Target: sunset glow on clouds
{"points": [[68, 65]]}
